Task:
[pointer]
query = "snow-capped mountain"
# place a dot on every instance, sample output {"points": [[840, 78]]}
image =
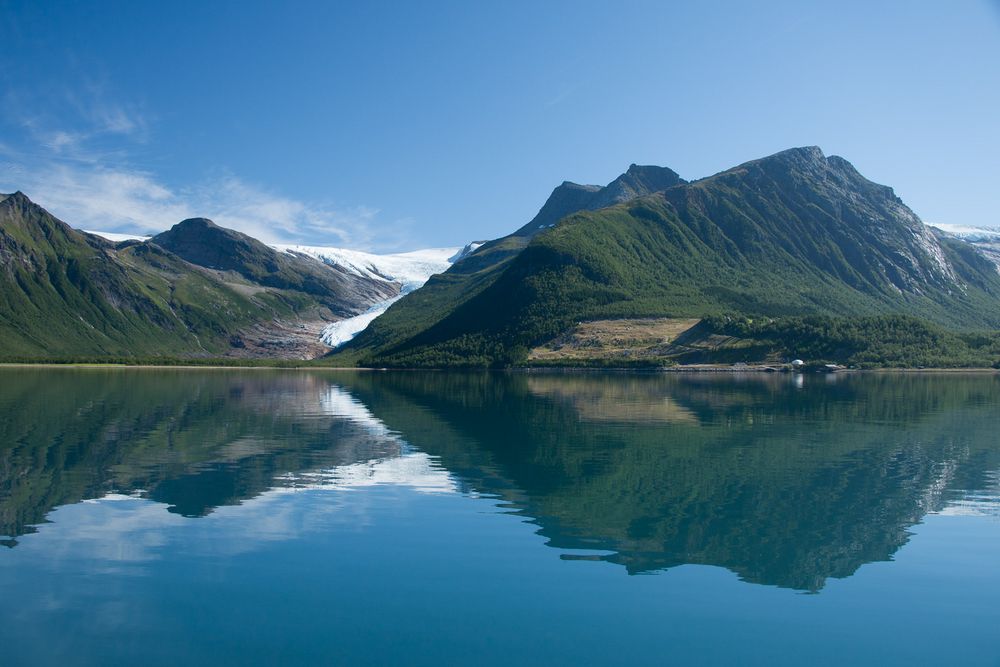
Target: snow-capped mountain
{"points": [[408, 270]]}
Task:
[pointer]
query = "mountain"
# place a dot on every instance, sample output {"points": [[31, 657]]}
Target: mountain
{"points": [[195, 290], [205, 244], [478, 265], [389, 275], [795, 233]]}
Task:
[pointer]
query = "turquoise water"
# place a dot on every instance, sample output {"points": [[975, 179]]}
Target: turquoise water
{"points": [[278, 517]]}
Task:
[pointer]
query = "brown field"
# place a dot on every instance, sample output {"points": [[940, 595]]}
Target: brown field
{"points": [[614, 339]]}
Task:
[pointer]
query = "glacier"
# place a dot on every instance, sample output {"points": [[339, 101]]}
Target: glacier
{"points": [[409, 270]]}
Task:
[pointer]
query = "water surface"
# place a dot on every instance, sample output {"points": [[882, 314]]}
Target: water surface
{"points": [[255, 517]]}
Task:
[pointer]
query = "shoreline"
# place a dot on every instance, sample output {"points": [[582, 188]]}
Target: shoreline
{"points": [[706, 368], [180, 367]]}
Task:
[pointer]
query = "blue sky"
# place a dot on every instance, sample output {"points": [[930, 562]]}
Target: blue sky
{"points": [[391, 126]]}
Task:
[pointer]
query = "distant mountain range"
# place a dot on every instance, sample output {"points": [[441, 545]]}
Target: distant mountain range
{"points": [[195, 290], [793, 234], [796, 233]]}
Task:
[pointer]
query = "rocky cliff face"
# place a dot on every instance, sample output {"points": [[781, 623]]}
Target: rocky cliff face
{"points": [[820, 210]]}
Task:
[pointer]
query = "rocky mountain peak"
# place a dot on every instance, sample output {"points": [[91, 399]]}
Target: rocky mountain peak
{"points": [[570, 197], [18, 200], [638, 181], [195, 223]]}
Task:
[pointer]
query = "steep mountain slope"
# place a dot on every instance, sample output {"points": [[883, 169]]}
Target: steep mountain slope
{"points": [[68, 293], [474, 271], [794, 233]]}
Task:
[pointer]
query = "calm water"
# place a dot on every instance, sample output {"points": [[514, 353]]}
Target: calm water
{"points": [[268, 517]]}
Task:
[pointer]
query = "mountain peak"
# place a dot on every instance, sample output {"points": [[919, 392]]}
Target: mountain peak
{"points": [[570, 197], [809, 152], [799, 158], [195, 223], [199, 233], [799, 162], [647, 169], [202, 242], [19, 210], [17, 198], [637, 181], [570, 185]]}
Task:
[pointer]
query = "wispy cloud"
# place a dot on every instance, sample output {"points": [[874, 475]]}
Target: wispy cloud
{"points": [[74, 157], [272, 217], [80, 122], [97, 198], [131, 201]]}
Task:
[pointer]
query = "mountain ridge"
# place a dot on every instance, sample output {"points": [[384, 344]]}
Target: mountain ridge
{"points": [[478, 269], [794, 233], [203, 243]]}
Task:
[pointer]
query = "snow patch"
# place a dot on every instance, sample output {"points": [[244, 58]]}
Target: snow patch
{"points": [[466, 251], [116, 237]]}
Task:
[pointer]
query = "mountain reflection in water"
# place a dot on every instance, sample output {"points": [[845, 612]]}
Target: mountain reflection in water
{"points": [[783, 484]]}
